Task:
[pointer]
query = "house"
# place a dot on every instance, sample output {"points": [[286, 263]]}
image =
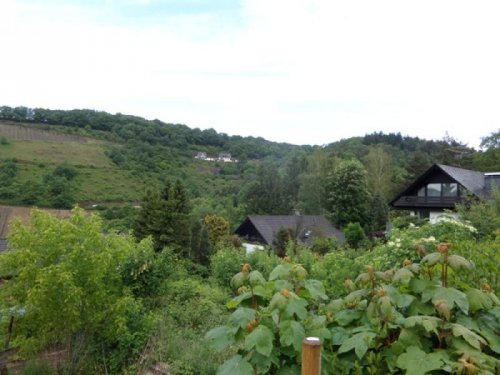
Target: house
{"points": [[441, 187], [201, 155], [261, 229], [225, 157]]}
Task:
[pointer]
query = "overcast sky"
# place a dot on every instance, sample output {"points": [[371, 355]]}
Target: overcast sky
{"points": [[303, 72]]}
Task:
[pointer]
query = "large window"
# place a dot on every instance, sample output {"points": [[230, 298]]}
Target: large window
{"points": [[434, 190], [450, 190]]}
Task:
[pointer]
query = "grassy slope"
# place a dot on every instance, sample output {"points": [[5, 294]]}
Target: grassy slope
{"points": [[38, 152], [98, 178]]}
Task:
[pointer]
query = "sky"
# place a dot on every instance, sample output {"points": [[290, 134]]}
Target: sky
{"points": [[295, 71]]}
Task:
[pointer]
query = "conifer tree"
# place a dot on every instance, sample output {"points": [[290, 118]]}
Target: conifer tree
{"points": [[164, 215]]}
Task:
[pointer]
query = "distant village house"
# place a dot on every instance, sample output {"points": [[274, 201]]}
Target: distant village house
{"points": [[224, 157]]}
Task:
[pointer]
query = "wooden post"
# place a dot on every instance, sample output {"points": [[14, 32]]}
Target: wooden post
{"points": [[311, 356]]}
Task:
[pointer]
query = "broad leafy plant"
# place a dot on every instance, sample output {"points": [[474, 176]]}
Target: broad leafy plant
{"points": [[409, 320], [270, 320], [413, 320]]}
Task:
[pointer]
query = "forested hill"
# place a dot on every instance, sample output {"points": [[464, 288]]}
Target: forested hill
{"points": [[124, 128], [85, 156]]}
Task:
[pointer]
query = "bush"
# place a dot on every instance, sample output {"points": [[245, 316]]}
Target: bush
{"points": [[225, 262], [323, 245], [355, 237], [65, 283], [409, 320]]}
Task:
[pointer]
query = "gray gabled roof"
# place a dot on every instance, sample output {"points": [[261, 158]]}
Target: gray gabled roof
{"points": [[304, 225], [471, 180]]}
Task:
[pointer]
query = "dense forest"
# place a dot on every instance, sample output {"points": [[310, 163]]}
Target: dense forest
{"points": [[151, 278]]}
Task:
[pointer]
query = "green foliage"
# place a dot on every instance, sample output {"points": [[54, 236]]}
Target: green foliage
{"points": [[355, 237], [348, 195], [217, 228], [323, 245], [335, 268], [226, 262], [266, 194], [59, 272], [281, 239], [379, 213], [263, 260], [270, 320], [164, 215], [483, 215], [414, 320]]}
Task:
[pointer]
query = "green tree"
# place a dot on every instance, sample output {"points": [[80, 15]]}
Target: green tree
{"points": [[347, 192], [65, 283], [484, 215], [488, 159], [217, 228], [295, 166], [281, 239], [312, 193], [379, 213], [266, 194], [200, 243], [355, 237], [379, 177], [164, 215]]}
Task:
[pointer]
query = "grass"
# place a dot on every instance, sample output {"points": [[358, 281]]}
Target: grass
{"points": [[55, 153], [92, 184]]}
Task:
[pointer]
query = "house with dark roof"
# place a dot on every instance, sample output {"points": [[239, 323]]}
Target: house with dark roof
{"points": [[262, 229], [441, 187]]}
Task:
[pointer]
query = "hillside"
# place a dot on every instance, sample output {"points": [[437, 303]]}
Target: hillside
{"points": [[56, 158]]}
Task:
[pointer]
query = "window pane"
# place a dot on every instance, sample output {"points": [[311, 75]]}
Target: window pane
{"points": [[434, 190], [421, 192], [450, 190]]}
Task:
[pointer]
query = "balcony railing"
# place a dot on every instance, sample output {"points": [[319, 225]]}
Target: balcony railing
{"points": [[416, 201]]}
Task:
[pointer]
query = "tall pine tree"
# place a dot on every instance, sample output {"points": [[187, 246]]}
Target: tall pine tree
{"points": [[164, 215]]}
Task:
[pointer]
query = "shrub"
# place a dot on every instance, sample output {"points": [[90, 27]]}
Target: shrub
{"points": [[225, 262], [354, 235]]}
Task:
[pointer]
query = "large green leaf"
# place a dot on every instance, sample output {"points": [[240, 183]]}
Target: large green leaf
{"points": [[241, 317], [261, 338], [281, 271], [345, 317], [235, 302], [360, 342], [429, 323], [292, 333], [419, 285], [403, 276], [417, 362], [296, 306], [315, 288], [401, 299], [220, 337], [236, 365], [473, 339], [478, 300], [339, 335], [453, 297]]}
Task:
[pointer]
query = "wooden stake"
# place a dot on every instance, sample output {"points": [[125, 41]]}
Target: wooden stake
{"points": [[311, 356]]}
